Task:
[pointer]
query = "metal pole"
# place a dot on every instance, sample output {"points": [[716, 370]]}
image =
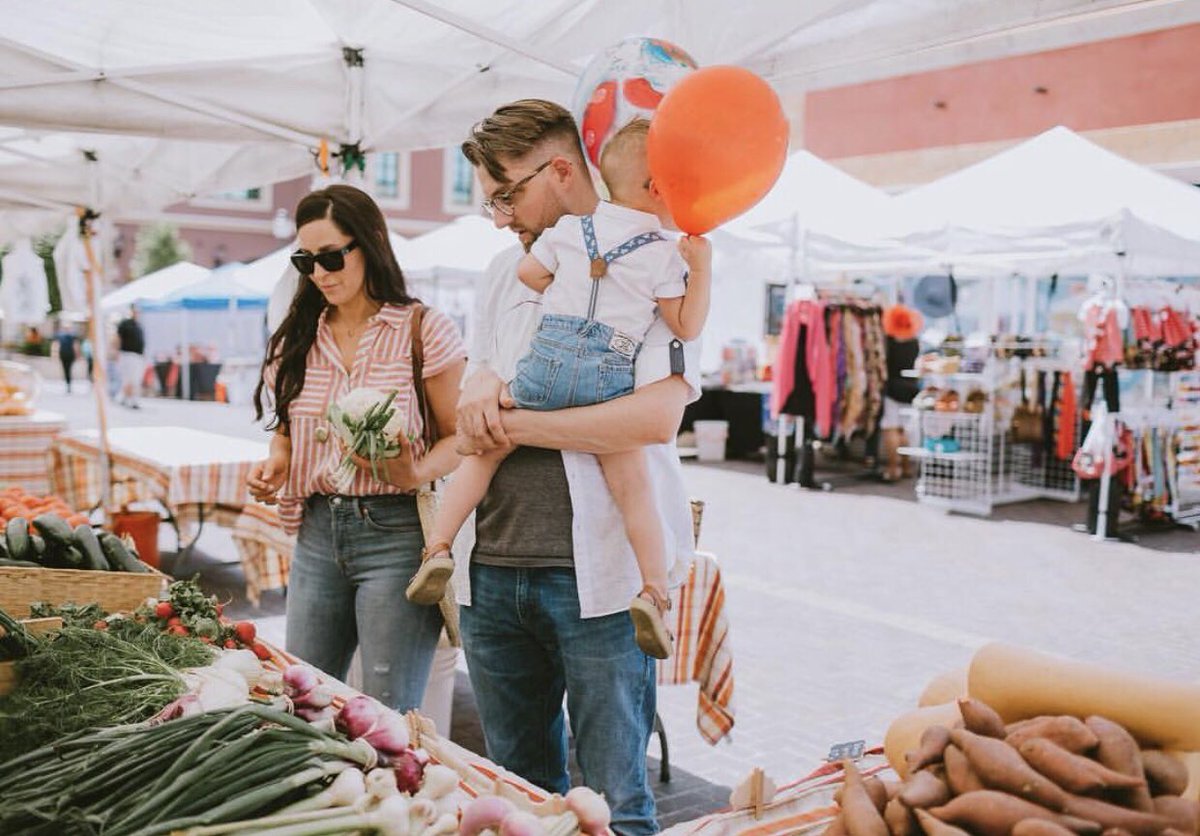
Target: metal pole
{"points": [[185, 361]]}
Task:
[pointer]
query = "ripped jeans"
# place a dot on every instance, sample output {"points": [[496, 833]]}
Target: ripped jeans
{"points": [[354, 557]]}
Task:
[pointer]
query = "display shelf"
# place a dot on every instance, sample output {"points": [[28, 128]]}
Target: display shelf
{"points": [[922, 453]]}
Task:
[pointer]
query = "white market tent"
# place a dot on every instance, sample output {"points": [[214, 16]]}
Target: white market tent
{"points": [[458, 251], [155, 286], [1055, 202], [396, 74]]}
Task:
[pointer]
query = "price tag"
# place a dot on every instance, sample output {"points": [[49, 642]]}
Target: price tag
{"points": [[852, 750]]}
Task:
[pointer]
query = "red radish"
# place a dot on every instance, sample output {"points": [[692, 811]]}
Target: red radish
{"points": [[100, 625], [245, 631], [163, 609], [179, 630], [230, 644], [260, 650], [174, 621]]}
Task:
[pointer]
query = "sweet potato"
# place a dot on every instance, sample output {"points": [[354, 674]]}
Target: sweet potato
{"points": [[924, 790], [1039, 827], [1068, 732], [933, 742], [1001, 767], [934, 826], [900, 819], [960, 777], [1074, 773], [978, 717], [992, 813], [1137, 822], [861, 816], [1182, 813], [1116, 831], [1119, 751], [1167, 774]]}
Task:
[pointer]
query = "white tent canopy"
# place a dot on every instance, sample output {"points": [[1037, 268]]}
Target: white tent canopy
{"points": [[156, 286], [392, 74], [461, 249], [1059, 201]]}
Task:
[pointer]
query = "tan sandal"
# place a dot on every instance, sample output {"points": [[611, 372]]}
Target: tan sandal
{"points": [[428, 586], [649, 629]]}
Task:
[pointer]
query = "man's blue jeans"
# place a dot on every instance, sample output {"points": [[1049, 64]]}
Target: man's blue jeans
{"points": [[354, 557], [525, 643]]}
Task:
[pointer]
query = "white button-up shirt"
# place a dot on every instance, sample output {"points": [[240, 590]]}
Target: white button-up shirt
{"points": [[606, 571]]}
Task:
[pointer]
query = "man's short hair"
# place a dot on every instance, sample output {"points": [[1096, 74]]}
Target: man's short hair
{"points": [[517, 128]]}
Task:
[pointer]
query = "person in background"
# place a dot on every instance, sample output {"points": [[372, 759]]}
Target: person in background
{"points": [[901, 324], [350, 326], [64, 344], [131, 364]]}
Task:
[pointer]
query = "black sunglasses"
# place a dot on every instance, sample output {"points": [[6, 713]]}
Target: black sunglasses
{"points": [[331, 260]]}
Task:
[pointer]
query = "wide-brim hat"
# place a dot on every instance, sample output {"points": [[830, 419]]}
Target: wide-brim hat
{"points": [[935, 296]]}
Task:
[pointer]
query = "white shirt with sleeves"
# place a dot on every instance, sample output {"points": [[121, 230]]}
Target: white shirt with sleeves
{"points": [[606, 571], [627, 294]]}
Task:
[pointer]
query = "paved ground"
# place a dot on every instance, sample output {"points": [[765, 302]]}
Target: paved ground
{"points": [[844, 604]]}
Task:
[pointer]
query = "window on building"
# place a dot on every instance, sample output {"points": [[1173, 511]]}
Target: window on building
{"points": [[387, 175], [459, 192], [248, 195]]}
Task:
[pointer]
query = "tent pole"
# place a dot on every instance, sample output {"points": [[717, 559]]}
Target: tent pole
{"points": [[92, 277], [185, 359]]}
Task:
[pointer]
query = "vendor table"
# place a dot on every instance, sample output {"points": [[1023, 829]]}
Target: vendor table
{"points": [[743, 406], [25, 442], [197, 476]]}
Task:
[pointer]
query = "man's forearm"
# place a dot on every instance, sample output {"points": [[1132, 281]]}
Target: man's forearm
{"points": [[650, 415]]}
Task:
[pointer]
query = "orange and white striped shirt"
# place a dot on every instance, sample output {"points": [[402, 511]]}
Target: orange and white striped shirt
{"points": [[383, 361]]}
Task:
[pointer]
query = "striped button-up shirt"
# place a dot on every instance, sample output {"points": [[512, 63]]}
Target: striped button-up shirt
{"points": [[382, 361]]}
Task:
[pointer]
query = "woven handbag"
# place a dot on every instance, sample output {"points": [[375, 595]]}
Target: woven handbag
{"points": [[427, 496]]}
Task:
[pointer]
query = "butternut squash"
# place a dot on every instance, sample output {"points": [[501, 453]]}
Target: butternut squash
{"points": [[904, 734]]}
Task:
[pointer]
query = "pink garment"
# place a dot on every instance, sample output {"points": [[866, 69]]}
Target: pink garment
{"points": [[783, 378], [821, 370], [1105, 344]]}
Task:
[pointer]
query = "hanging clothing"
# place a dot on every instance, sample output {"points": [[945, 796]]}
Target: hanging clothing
{"points": [[1105, 340], [1066, 409]]}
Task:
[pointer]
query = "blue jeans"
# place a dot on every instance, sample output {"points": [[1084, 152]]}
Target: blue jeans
{"points": [[574, 361], [525, 644], [354, 557]]}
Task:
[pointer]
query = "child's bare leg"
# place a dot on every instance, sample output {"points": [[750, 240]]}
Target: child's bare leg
{"points": [[465, 491], [628, 479]]}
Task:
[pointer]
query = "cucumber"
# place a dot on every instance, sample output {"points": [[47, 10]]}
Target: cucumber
{"points": [[87, 542], [72, 558], [16, 535], [3, 549], [21, 564], [38, 544], [54, 529], [119, 555]]}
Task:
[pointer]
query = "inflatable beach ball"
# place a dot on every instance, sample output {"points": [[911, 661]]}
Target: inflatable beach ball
{"points": [[622, 83]]}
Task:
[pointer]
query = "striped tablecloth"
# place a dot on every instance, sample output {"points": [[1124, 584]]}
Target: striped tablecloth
{"points": [[25, 442], [188, 471], [702, 648]]}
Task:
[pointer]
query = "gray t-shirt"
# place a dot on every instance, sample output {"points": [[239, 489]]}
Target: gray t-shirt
{"points": [[525, 519]]}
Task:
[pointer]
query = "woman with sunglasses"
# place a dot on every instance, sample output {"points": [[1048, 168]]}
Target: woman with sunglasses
{"points": [[349, 327]]}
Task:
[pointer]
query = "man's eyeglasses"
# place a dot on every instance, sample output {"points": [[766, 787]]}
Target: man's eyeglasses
{"points": [[503, 201], [330, 260]]}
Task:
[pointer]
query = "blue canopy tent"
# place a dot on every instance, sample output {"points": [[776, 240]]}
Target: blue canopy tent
{"points": [[219, 309]]}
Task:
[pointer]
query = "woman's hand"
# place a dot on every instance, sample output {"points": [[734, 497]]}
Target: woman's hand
{"points": [[268, 476], [402, 470]]}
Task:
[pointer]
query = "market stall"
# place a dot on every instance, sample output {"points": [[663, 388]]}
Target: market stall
{"points": [[196, 477]]}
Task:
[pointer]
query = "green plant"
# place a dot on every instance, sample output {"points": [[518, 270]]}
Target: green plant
{"points": [[158, 245]]}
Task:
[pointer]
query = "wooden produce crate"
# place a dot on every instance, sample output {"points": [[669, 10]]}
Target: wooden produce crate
{"points": [[113, 591], [8, 670]]}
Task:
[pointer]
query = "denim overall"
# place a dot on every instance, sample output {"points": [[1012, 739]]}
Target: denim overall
{"points": [[574, 360]]}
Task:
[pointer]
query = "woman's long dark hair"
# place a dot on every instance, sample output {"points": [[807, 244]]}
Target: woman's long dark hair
{"points": [[357, 215]]}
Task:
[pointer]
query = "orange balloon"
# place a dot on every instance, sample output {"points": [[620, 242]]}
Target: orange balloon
{"points": [[717, 144]]}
